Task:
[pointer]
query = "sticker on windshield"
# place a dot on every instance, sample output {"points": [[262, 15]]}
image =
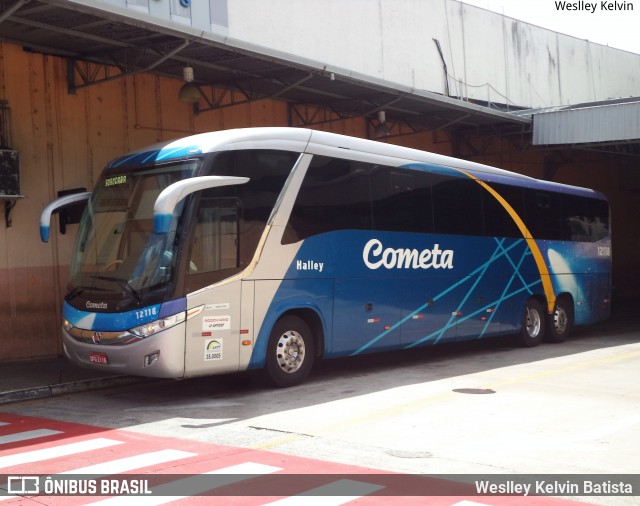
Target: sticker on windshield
{"points": [[213, 349]]}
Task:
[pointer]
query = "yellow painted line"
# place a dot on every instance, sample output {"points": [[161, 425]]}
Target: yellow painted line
{"points": [[278, 442], [421, 403], [575, 367]]}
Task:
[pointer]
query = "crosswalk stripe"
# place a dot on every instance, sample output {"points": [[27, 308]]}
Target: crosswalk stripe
{"points": [[130, 463], [349, 490], [233, 474], [26, 435], [56, 452]]}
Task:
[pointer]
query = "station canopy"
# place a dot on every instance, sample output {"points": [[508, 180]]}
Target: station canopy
{"points": [[124, 45]]}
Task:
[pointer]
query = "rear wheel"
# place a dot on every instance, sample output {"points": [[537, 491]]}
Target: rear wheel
{"points": [[561, 321], [290, 352], [533, 324]]}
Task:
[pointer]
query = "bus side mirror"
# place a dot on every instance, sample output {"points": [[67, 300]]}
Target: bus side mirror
{"points": [[72, 213], [54, 207], [169, 197]]}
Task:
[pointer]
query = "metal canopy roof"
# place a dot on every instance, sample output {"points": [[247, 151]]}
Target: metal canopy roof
{"points": [[134, 43], [602, 122], [612, 126]]}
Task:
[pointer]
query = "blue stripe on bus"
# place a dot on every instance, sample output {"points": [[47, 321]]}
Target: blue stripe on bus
{"points": [[111, 322], [172, 307], [456, 317], [482, 295]]}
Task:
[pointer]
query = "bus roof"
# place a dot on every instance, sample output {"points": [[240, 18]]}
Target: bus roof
{"points": [[329, 144]]}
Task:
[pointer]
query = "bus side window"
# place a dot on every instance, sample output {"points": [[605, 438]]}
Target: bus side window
{"points": [[576, 223], [457, 206], [497, 220], [335, 195], [598, 216], [402, 200], [544, 215]]}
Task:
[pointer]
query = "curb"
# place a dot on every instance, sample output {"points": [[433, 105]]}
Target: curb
{"points": [[67, 388]]}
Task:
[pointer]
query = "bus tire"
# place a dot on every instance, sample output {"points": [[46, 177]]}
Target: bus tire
{"points": [[533, 324], [290, 352], [561, 320]]}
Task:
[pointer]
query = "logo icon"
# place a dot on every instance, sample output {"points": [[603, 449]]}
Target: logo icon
{"points": [[97, 337], [213, 349], [23, 485]]}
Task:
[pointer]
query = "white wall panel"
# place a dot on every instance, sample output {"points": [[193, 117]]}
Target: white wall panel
{"points": [[489, 57]]}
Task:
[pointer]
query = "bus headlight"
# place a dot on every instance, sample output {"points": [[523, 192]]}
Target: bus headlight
{"points": [[148, 329], [66, 324]]}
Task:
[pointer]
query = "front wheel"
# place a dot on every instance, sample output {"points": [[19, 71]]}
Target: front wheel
{"points": [[290, 352], [561, 321], [533, 324]]}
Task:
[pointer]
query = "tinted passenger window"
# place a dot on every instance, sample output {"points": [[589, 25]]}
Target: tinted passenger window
{"points": [[346, 195], [402, 200], [457, 206], [598, 216], [544, 215], [497, 221], [576, 225], [267, 171], [335, 195]]}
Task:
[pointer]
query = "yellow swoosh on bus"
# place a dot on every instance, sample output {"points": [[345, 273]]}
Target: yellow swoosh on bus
{"points": [[533, 246]]}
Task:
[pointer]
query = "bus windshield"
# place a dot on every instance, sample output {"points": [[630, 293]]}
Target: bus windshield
{"points": [[117, 255]]}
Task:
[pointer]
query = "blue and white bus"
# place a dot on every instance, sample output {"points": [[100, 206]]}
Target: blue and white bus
{"points": [[268, 248]]}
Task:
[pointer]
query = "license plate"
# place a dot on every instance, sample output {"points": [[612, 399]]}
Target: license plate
{"points": [[98, 358]]}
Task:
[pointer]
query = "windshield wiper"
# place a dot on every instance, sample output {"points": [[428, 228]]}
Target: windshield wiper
{"points": [[76, 291], [124, 284], [79, 289]]}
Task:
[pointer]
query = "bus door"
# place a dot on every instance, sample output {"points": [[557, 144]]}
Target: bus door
{"points": [[213, 335], [213, 331]]}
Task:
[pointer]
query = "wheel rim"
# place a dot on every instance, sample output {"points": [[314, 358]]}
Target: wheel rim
{"points": [[560, 320], [290, 351], [534, 322]]}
